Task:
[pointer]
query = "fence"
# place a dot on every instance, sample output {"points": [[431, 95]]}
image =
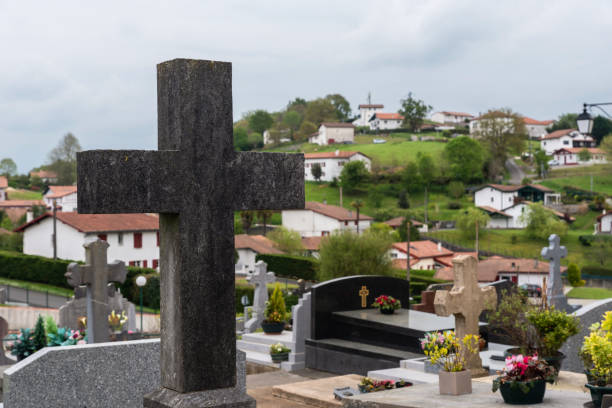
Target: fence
{"points": [[33, 297]]}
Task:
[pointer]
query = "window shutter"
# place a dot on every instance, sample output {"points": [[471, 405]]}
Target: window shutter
{"points": [[137, 240], [102, 237]]}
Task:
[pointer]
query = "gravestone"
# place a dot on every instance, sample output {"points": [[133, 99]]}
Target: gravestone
{"points": [[195, 181], [427, 302], [260, 278], [554, 285], [301, 331], [466, 300], [99, 278]]}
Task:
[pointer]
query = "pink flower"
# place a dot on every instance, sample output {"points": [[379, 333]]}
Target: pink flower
{"points": [[81, 342]]}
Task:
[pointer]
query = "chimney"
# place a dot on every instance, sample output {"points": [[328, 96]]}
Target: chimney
{"points": [[324, 201], [439, 247], [337, 152], [29, 215]]}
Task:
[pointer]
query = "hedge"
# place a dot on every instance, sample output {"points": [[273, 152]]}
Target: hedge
{"points": [[31, 268], [596, 271], [587, 240], [288, 266]]}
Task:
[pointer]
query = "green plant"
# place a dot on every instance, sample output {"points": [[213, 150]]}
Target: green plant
{"points": [[279, 348], [39, 338], [24, 345], [295, 267], [596, 352], [510, 321], [456, 189], [288, 241], [275, 307], [573, 276], [522, 371], [50, 325], [59, 337], [447, 351], [453, 205], [553, 327]]}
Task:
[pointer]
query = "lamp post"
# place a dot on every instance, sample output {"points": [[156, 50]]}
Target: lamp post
{"points": [[585, 120], [140, 282]]}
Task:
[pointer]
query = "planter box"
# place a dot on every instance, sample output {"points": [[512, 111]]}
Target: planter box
{"points": [[457, 383]]}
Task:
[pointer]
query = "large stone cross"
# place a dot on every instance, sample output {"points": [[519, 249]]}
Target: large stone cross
{"points": [[98, 276], [195, 181], [466, 300], [554, 285], [260, 278]]}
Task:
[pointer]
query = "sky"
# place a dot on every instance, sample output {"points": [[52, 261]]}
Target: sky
{"points": [[89, 67]]}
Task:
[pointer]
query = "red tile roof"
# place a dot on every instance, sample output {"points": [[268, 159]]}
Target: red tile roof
{"points": [[397, 222], [503, 187], [338, 154], [489, 269], [423, 249], [337, 125], [312, 243], [3, 182], [371, 106], [389, 116], [257, 243], [60, 191], [448, 260], [43, 174], [21, 203], [600, 216], [333, 211], [89, 223], [557, 134], [402, 263], [467, 115], [530, 121]]}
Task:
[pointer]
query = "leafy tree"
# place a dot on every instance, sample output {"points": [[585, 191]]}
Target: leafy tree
{"points": [[320, 110], [415, 235], [8, 167], [286, 240], [375, 196], [341, 105], [316, 171], [541, 222], [298, 105], [246, 217], [292, 120], [357, 204], [260, 120], [241, 139], [606, 144], [584, 155], [411, 178], [456, 189], [414, 112], [6, 223], [345, 253], [63, 159], [264, 216], [565, 121], [40, 337], [466, 222], [428, 172], [383, 230], [573, 276], [255, 141], [541, 160], [601, 127], [307, 128], [466, 158], [354, 174], [402, 200], [501, 132]]}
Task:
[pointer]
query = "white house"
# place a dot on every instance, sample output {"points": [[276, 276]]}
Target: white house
{"points": [[333, 132], [456, 118], [332, 163], [64, 196], [397, 222], [318, 219], [565, 138], [3, 187], [536, 129], [365, 113], [132, 238], [385, 121], [45, 175], [569, 156], [604, 223], [248, 247], [423, 254]]}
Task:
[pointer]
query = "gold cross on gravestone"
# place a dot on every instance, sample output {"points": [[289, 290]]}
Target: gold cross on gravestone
{"points": [[364, 292]]}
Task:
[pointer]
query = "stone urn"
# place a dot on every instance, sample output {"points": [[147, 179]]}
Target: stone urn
{"points": [[455, 383]]}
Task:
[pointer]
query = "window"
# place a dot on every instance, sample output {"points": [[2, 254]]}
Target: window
{"points": [[132, 263], [355, 222], [102, 237], [324, 233], [566, 142], [120, 238], [138, 240], [137, 263], [155, 263], [345, 222], [157, 237], [341, 163], [144, 263], [492, 199]]}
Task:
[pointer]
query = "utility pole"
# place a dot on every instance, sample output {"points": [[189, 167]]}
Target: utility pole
{"points": [[408, 225], [476, 243], [54, 229], [340, 196], [591, 182]]}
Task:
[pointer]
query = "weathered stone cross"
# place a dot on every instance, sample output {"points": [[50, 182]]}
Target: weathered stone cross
{"points": [[466, 300], [554, 285], [260, 278], [364, 292], [195, 181], [96, 275]]}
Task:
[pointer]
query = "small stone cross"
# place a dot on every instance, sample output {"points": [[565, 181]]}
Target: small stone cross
{"points": [[260, 278], [466, 300], [364, 292], [195, 181], [554, 288], [98, 276]]}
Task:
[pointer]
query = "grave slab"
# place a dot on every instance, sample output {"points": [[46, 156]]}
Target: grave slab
{"points": [[318, 393]]}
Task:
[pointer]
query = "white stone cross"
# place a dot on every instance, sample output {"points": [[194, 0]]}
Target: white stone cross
{"points": [[260, 278], [554, 288], [466, 300]]}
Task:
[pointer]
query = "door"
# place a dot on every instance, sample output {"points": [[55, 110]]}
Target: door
{"points": [[514, 279]]}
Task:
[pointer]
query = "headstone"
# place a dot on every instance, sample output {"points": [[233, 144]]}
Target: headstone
{"points": [[260, 278], [554, 285], [427, 302], [466, 300], [4, 360], [195, 181], [301, 331], [99, 277]]}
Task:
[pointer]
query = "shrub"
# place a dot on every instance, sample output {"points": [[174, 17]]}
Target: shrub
{"points": [[456, 189], [596, 270], [24, 345], [286, 240], [39, 339], [573, 276], [453, 205], [541, 222], [289, 266], [275, 306], [526, 181], [554, 327]]}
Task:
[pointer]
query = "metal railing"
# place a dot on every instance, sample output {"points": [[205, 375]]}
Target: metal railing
{"points": [[35, 298]]}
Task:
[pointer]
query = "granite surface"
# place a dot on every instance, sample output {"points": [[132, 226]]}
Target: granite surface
{"points": [[301, 331], [195, 181], [404, 318]]}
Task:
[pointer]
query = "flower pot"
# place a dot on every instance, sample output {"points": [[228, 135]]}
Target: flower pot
{"points": [[455, 383], [555, 360], [512, 393], [278, 357], [273, 327], [597, 393], [387, 311]]}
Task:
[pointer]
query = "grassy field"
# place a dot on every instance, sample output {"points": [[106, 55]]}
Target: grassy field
{"points": [[40, 287], [17, 194], [602, 183], [590, 293]]}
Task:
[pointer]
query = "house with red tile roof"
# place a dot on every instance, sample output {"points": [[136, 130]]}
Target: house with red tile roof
{"points": [[332, 163], [423, 255], [453, 118], [65, 197], [332, 133], [604, 223], [365, 113], [570, 156], [318, 219], [385, 121], [248, 247], [565, 138], [132, 238], [537, 128], [15, 209], [46, 176], [397, 222], [3, 187]]}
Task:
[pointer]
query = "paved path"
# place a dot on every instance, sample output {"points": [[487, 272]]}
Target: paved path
{"points": [[516, 174], [259, 386]]}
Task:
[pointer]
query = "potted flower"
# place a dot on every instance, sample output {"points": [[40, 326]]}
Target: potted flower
{"points": [[279, 352], [275, 312], [523, 380], [596, 353], [429, 343], [386, 304], [116, 322], [366, 385], [453, 377], [24, 345]]}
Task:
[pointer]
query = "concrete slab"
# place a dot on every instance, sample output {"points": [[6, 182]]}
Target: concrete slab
{"points": [[318, 393], [397, 374]]}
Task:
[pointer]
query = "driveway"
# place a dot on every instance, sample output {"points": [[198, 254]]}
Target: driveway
{"points": [[516, 174]]}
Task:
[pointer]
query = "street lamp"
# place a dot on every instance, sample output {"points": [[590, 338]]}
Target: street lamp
{"points": [[140, 282], [585, 120]]}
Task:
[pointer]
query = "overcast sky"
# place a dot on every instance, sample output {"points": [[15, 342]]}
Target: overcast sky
{"points": [[89, 68]]}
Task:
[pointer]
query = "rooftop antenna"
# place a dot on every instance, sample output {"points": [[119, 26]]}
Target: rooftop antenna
{"points": [[369, 98]]}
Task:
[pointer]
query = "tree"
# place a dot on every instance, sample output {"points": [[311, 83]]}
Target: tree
{"points": [[606, 145], [341, 105], [383, 230], [246, 218], [415, 235], [541, 222], [286, 240], [316, 171], [601, 127], [306, 129], [501, 132], [292, 120], [456, 189], [63, 159], [345, 253], [241, 139], [541, 160], [40, 337], [427, 171], [466, 222], [357, 204], [411, 178], [584, 155], [264, 216], [320, 110], [466, 158], [414, 112], [260, 120], [8, 167], [402, 199], [354, 174], [565, 121], [375, 196]]}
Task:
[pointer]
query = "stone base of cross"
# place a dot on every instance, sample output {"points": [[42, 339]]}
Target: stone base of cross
{"points": [[466, 300]]}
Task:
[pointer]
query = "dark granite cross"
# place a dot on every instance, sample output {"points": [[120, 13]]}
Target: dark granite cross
{"points": [[195, 181]]}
